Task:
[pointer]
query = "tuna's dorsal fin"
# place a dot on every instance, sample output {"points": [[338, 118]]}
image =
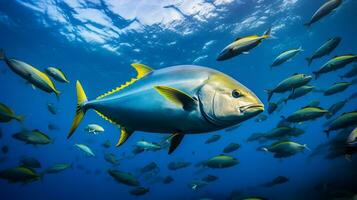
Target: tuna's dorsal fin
{"points": [[177, 97], [125, 133], [252, 36], [238, 38], [142, 71]]}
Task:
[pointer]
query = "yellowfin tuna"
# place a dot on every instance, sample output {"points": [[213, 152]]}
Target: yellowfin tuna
{"points": [[7, 114], [242, 45], [181, 100], [57, 74], [31, 74]]}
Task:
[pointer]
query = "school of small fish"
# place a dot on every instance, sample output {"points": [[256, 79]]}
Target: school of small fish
{"points": [[188, 99]]}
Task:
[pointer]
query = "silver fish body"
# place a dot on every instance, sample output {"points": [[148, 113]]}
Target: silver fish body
{"points": [[324, 10], [325, 49], [31, 74]]}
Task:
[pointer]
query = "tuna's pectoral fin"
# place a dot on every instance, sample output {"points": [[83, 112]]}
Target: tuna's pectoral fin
{"points": [[177, 97], [125, 134], [175, 141]]}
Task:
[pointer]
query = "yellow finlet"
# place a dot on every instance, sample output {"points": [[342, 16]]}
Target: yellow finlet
{"points": [[142, 71], [124, 135], [106, 118]]}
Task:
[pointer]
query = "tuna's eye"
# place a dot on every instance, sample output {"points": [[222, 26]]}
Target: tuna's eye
{"points": [[236, 94]]}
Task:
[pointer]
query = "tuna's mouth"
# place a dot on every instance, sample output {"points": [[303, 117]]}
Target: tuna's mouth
{"points": [[252, 108]]}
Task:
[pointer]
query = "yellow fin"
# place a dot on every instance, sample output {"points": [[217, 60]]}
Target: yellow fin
{"points": [[81, 98], [106, 118], [252, 37], [125, 133], [177, 97], [45, 78], [142, 71]]}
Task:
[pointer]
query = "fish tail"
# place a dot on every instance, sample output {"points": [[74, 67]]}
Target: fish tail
{"points": [[307, 24], [80, 111], [309, 60], [270, 93], [19, 118], [58, 93], [2, 54], [267, 33], [306, 147]]}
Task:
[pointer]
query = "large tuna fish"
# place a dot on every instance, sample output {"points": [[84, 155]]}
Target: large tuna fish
{"points": [[178, 100]]}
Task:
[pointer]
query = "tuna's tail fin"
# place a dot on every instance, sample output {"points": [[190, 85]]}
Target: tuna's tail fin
{"points": [[309, 60], [2, 54], [267, 33], [58, 93], [270, 94], [307, 24], [19, 118], [81, 98]]}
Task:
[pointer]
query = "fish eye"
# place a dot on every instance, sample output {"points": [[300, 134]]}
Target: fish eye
{"points": [[236, 93]]}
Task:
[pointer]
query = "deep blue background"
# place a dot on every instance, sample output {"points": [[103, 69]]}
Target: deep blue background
{"points": [[22, 36]]}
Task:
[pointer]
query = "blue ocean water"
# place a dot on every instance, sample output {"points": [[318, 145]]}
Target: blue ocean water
{"points": [[96, 41]]}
